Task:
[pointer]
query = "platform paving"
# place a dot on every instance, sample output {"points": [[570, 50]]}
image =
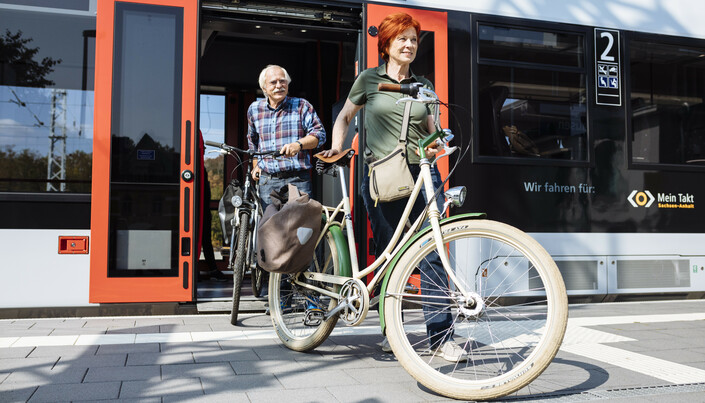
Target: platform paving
{"points": [[617, 352]]}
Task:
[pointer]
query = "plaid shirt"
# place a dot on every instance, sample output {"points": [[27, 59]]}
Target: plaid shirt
{"points": [[270, 129]]}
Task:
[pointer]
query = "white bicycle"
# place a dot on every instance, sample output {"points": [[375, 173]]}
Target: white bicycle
{"points": [[501, 290]]}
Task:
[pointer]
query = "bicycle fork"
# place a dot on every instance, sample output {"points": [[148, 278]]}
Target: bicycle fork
{"points": [[434, 216]]}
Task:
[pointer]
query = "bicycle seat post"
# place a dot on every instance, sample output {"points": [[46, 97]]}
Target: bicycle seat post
{"points": [[348, 218]]}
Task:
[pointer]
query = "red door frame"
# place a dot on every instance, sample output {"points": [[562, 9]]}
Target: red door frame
{"points": [[104, 289], [435, 21]]}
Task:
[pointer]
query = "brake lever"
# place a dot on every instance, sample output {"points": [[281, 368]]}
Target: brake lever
{"points": [[449, 151]]}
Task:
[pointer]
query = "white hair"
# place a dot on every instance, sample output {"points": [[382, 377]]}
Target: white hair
{"points": [[263, 73]]}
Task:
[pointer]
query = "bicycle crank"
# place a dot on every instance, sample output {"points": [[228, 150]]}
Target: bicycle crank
{"points": [[354, 303]]}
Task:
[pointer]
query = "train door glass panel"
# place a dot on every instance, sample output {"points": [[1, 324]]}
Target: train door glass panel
{"points": [[212, 121], [532, 93], [667, 103], [146, 141]]}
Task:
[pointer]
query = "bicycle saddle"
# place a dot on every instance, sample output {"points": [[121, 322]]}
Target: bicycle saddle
{"points": [[336, 159]]}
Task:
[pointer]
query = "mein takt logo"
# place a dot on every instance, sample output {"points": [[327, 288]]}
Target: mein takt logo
{"points": [[644, 198]]}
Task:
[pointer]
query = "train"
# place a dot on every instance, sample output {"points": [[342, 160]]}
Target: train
{"points": [[583, 124]]}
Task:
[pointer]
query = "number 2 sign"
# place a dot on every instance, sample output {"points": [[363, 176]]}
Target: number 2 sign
{"points": [[607, 72]]}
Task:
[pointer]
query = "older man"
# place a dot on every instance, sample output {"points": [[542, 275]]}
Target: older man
{"points": [[284, 123]]}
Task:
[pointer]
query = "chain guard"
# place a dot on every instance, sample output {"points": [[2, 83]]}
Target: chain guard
{"points": [[355, 301]]}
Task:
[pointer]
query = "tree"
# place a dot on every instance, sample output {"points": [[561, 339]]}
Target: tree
{"points": [[17, 64]]}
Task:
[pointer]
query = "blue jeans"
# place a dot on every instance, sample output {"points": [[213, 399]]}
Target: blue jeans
{"points": [[267, 183], [383, 220]]}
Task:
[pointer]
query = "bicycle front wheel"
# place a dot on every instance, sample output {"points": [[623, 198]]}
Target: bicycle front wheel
{"points": [[297, 311], [243, 242], [507, 312]]}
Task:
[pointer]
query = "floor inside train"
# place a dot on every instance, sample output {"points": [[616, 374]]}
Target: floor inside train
{"points": [[217, 295]]}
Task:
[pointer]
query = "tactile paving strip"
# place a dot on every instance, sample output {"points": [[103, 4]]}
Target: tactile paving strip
{"points": [[610, 393]]}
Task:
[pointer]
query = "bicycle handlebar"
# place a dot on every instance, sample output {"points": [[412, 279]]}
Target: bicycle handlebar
{"points": [[416, 93], [228, 148]]}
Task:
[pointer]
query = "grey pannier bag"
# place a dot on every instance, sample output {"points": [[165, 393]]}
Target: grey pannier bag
{"points": [[288, 232]]}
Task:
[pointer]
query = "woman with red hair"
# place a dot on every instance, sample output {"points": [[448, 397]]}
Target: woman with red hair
{"points": [[398, 39]]}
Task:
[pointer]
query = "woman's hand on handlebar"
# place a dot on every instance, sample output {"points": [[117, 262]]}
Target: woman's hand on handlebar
{"points": [[431, 150]]}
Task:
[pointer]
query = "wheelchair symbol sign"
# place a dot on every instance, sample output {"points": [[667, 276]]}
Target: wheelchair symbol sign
{"points": [[612, 82]]}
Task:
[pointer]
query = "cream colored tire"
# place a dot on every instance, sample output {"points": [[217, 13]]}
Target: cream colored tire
{"points": [[509, 340]]}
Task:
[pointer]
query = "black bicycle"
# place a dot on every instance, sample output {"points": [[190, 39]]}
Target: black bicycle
{"points": [[245, 222]]}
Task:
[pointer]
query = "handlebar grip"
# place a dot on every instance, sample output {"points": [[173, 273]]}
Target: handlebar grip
{"points": [[213, 144], [411, 89], [389, 87]]}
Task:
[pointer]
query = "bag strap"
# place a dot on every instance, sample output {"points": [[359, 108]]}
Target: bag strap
{"points": [[405, 123]]}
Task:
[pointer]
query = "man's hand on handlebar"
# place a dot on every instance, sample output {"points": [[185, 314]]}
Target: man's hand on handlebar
{"points": [[255, 173]]}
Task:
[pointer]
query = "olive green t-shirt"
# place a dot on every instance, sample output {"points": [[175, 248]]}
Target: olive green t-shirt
{"points": [[383, 116]]}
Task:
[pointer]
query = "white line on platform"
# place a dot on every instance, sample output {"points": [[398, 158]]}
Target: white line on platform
{"points": [[576, 334], [643, 364]]}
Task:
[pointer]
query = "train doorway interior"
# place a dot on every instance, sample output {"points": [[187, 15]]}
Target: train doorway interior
{"points": [[316, 44]]}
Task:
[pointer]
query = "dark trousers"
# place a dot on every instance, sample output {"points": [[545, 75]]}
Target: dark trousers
{"points": [[384, 219]]}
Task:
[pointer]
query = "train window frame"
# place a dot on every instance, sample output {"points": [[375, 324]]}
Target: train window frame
{"points": [[583, 72], [630, 38]]}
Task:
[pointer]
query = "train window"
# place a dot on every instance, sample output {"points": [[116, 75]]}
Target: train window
{"points": [[46, 98], [531, 46], [532, 94], [667, 109]]}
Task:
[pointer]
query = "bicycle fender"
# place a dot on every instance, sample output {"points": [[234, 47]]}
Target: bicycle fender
{"points": [[392, 265], [341, 244]]}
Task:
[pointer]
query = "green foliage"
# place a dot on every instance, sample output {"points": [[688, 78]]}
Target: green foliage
{"points": [[17, 62], [26, 171], [214, 167]]}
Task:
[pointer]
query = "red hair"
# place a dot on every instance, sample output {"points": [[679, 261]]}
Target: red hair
{"points": [[390, 27]]}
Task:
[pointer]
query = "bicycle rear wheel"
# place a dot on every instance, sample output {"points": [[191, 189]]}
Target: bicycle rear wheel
{"points": [[243, 242], [510, 324], [294, 308]]}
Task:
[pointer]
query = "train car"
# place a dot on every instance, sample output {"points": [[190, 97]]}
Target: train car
{"points": [[584, 123]]}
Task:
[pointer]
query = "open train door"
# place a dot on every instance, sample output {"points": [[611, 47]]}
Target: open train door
{"points": [[142, 221], [431, 62]]}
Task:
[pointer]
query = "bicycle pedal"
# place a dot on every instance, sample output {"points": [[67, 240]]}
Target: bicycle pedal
{"points": [[313, 317]]}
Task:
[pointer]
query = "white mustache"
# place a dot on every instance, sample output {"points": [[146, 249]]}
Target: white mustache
{"points": [[278, 91]]}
